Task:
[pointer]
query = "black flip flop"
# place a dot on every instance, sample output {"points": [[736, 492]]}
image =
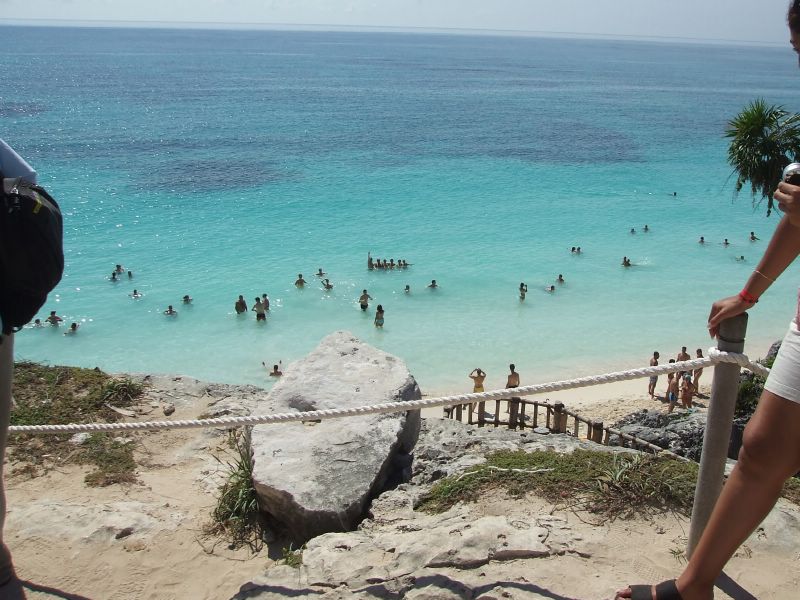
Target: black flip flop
{"points": [[666, 590]]}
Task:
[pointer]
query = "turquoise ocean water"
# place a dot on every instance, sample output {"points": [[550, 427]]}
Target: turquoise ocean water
{"points": [[219, 163]]}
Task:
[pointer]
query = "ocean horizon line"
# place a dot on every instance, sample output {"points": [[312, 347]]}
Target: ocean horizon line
{"points": [[336, 28]]}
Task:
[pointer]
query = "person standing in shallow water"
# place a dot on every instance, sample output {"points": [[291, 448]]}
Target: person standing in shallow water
{"points": [[363, 300], [770, 451], [523, 289], [379, 316]]}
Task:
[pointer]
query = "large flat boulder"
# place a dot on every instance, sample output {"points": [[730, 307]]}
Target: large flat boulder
{"points": [[315, 478]]}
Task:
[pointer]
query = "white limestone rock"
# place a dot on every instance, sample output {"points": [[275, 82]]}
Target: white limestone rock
{"points": [[315, 478]]}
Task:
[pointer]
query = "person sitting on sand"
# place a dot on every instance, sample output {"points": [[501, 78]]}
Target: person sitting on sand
{"points": [[73, 329], [320, 273], [240, 306], [136, 294], [187, 299], [560, 278], [523, 289], [300, 282], [379, 316], [261, 314], [170, 311], [433, 285], [327, 285], [363, 300], [477, 376]]}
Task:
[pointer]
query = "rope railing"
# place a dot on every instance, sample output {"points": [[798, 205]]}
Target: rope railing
{"points": [[714, 357]]}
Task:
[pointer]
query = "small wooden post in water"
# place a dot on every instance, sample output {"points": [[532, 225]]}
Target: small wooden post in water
{"points": [[724, 389]]}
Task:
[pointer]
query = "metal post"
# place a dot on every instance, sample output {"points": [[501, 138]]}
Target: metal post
{"points": [[724, 389]]}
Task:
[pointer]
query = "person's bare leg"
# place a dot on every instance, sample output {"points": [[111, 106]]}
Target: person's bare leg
{"points": [[6, 373], [770, 454]]}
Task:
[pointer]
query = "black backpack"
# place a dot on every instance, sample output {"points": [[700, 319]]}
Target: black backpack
{"points": [[31, 250]]}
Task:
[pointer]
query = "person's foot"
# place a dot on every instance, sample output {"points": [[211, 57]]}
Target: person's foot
{"points": [[668, 590]]}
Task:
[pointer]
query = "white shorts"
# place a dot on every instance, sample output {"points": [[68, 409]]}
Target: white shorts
{"points": [[784, 377]]}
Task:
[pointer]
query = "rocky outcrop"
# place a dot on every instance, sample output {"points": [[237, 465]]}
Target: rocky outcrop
{"points": [[314, 478], [680, 432]]}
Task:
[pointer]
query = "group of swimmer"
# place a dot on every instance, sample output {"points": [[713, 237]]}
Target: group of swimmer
{"points": [[626, 262], [377, 263], [54, 320]]}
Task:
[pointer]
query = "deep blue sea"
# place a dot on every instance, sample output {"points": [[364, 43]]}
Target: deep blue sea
{"points": [[219, 163]]}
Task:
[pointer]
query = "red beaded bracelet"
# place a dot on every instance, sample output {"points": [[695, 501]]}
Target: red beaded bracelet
{"points": [[747, 297]]}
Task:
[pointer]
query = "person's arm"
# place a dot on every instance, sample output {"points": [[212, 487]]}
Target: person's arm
{"points": [[783, 248]]}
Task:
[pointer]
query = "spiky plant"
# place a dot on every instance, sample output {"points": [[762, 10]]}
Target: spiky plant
{"points": [[764, 139]]}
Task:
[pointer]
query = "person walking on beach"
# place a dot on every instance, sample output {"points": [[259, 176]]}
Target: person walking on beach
{"points": [[477, 376], [672, 389], [240, 306], [697, 373], [261, 313], [651, 386], [379, 316], [770, 452], [523, 289], [363, 300]]}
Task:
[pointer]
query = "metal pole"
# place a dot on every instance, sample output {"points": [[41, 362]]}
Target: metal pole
{"points": [[719, 420]]}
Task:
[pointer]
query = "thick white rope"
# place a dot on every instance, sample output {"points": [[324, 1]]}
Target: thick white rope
{"points": [[715, 356]]}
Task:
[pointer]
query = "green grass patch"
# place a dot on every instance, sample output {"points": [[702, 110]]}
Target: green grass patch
{"points": [[236, 515], [62, 395], [608, 484], [292, 558]]}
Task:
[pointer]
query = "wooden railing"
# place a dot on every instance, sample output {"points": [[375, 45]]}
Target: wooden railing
{"points": [[521, 413]]}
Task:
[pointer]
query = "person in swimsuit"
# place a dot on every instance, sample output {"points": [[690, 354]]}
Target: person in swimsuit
{"points": [[702, 240], [73, 329], [560, 278], [327, 285], [171, 312], [265, 301], [687, 391], [477, 377], [523, 289], [513, 378], [753, 237], [54, 319], [433, 285], [651, 387], [187, 299], [363, 300], [300, 282], [261, 314], [320, 273], [370, 263], [408, 289], [672, 389], [697, 373], [240, 306], [379, 316]]}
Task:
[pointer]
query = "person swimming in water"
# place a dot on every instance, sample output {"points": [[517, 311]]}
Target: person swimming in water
{"points": [[136, 294], [171, 312], [560, 278], [702, 240], [523, 289], [363, 300], [73, 329], [240, 306], [379, 316], [327, 285], [320, 273], [300, 282], [646, 228], [433, 285], [187, 299], [753, 237], [550, 288], [408, 289]]}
